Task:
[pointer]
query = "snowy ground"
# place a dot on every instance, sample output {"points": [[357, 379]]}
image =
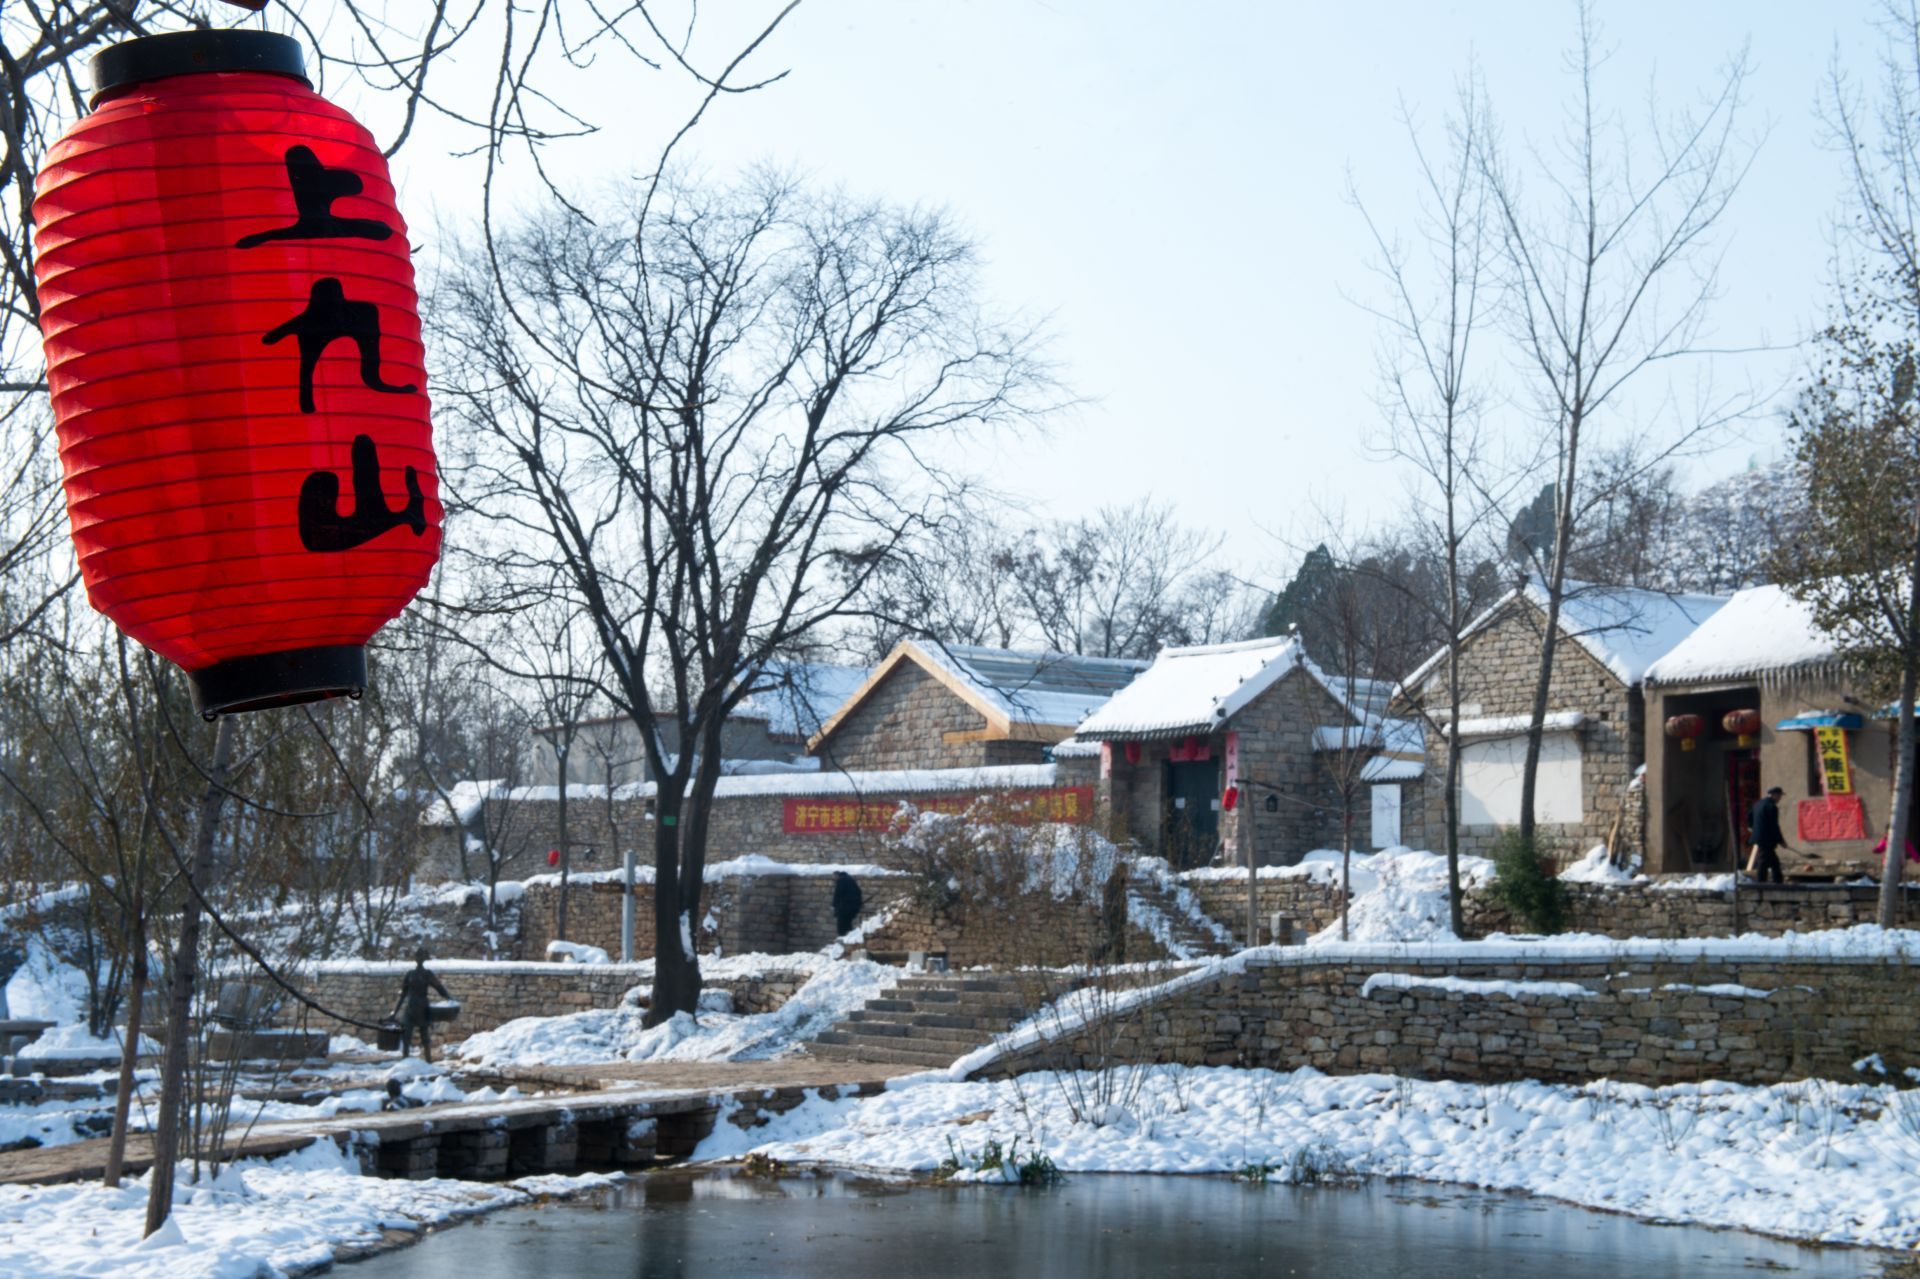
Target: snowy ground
{"points": [[257, 1218], [836, 988], [1835, 1163]]}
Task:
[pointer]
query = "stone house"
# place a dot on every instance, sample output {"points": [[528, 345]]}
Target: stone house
{"points": [[960, 706], [1594, 742], [1761, 665], [1220, 746], [792, 702]]}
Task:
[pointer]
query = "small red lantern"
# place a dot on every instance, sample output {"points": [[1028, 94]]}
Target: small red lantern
{"points": [[233, 351], [1687, 728], [1133, 752], [1230, 799], [553, 857], [1743, 724]]}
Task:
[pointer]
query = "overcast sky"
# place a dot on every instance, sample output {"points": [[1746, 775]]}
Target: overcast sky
{"points": [[1167, 183]]}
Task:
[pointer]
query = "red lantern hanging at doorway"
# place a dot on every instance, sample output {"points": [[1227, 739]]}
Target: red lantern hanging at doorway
{"points": [[1743, 724], [234, 356], [1687, 728]]}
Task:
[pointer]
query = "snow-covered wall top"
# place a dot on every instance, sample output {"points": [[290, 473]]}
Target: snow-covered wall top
{"points": [[1761, 631]]}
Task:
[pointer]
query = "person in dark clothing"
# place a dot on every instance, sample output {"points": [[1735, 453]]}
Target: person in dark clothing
{"points": [[1113, 918], [411, 1007], [1767, 839], [846, 902]]}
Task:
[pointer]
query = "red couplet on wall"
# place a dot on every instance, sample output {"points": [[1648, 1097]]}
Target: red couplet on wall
{"points": [[234, 356]]}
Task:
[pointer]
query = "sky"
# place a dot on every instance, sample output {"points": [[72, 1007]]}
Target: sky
{"points": [[1169, 186]]}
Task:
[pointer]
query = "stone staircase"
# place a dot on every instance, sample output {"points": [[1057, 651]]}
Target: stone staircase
{"points": [[1157, 906], [930, 1020]]}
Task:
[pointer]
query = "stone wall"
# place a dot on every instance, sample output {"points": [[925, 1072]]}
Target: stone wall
{"points": [[1638, 1020], [492, 994], [913, 720], [741, 914], [1498, 667], [1609, 910], [1034, 930]]}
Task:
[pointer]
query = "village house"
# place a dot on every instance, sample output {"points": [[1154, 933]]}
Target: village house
{"points": [[772, 725], [962, 706], [1757, 697], [1594, 740], [1210, 732]]}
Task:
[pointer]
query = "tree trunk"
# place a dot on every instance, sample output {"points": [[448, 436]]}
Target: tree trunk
{"points": [[1456, 910], [186, 960], [676, 975], [1346, 861], [1898, 822], [566, 852], [1253, 871], [130, 1050], [1536, 716]]}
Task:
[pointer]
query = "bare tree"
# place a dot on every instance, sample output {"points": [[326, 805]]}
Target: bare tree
{"points": [[1112, 585], [707, 413], [1610, 274]]}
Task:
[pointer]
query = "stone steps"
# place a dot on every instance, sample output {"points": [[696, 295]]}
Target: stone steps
{"points": [[1188, 935], [931, 1019]]}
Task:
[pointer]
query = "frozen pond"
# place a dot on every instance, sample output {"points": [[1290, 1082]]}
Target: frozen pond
{"points": [[1091, 1227]]}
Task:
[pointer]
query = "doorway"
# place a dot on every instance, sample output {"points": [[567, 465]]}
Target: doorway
{"points": [[1743, 792], [1193, 812]]}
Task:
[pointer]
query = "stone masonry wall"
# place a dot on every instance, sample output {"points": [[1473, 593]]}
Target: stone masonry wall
{"points": [[1647, 1022], [741, 914], [1036, 930], [1499, 665], [1610, 910], [492, 994], [904, 723]]}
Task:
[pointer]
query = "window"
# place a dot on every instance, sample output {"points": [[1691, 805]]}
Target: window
{"points": [[1490, 780], [1386, 814]]}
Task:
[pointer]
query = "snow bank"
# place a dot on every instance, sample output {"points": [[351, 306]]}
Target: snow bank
{"points": [[1837, 1163], [616, 1034], [1400, 895], [1474, 986], [256, 1218], [1596, 867]]}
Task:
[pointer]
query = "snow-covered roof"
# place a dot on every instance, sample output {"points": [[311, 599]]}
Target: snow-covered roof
{"points": [[1761, 633], [1075, 748], [1196, 690], [1625, 628], [803, 696], [1385, 768], [1022, 694]]}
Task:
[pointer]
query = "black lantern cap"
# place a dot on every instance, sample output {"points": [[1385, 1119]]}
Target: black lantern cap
{"points": [[192, 52], [288, 678]]}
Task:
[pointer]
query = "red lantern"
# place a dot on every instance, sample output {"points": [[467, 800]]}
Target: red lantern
{"points": [[1232, 798], [1132, 752], [553, 857], [1743, 724], [233, 350], [1687, 728]]}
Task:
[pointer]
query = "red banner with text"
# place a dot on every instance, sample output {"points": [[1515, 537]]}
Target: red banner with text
{"points": [[830, 815]]}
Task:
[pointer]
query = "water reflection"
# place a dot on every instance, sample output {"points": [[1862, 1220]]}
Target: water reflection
{"points": [[685, 1224]]}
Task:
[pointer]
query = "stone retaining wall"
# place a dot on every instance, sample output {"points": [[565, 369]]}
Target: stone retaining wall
{"points": [[492, 994], [1610, 910], [1637, 1020], [742, 914], [1033, 931]]}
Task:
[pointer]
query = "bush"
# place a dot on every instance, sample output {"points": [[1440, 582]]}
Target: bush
{"points": [[1523, 886]]}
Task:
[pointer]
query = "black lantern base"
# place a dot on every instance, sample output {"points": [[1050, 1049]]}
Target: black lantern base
{"points": [[287, 678]]}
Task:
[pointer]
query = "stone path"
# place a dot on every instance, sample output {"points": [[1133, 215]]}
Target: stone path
{"points": [[615, 1091]]}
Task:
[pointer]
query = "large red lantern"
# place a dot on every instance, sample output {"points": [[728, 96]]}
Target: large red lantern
{"points": [[234, 356], [1686, 728], [1743, 724]]}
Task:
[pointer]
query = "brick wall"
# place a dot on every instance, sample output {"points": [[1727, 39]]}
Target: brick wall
{"points": [[1498, 667], [1643, 1021]]}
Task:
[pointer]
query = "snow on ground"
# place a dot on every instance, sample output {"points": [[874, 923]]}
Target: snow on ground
{"points": [[256, 1218], [835, 989], [45, 987], [1837, 1163], [1596, 867], [1400, 895]]}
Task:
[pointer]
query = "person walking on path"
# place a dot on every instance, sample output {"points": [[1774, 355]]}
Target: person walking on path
{"points": [[1767, 839], [846, 903], [411, 1007]]}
